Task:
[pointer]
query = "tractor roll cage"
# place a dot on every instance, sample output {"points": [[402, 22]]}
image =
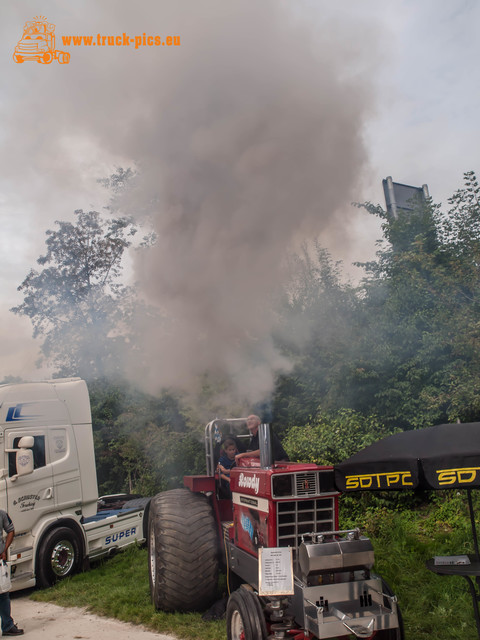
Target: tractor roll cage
{"points": [[219, 429]]}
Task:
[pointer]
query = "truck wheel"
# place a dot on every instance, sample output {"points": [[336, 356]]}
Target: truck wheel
{"points": [[46, 58], [59, 556], [245, 618], [182, 551], [63, 57]]}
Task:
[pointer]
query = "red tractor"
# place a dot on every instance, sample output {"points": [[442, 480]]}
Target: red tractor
{"points": [[290, 572]]}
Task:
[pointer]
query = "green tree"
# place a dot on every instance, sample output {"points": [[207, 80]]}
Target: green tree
{"points": [[333, 437], [143, 443], [76, 301], [316, 312], [421, 314], [405, 344]]}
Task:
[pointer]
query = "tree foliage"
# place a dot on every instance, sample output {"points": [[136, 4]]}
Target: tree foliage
{"points": [[76, 301], [143, 443], [315, 329], [404, 345], [333, 437]]}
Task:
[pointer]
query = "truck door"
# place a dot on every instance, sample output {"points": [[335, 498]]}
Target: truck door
{"points": [[65, 468], [29, 497]]}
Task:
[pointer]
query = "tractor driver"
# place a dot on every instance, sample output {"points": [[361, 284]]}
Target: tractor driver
{"points": [[279, 453]]}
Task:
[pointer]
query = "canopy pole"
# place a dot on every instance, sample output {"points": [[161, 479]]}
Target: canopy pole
{"points": [[472, 520]]}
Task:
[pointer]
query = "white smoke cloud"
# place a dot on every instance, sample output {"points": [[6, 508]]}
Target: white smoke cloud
{"points": [[248, 138]]}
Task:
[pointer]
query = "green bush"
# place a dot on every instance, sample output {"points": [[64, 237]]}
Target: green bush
{"points": [[333, 437]]}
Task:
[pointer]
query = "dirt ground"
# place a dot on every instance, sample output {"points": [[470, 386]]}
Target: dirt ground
{"points": [[42, 620]]}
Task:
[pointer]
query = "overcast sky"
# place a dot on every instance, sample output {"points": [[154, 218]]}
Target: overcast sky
{"points": [[383, 88]]}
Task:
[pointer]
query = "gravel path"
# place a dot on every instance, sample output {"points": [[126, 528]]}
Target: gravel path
{"points": [[42, 620]]}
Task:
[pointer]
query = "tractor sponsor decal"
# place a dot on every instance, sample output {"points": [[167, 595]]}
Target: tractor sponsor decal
{"points": [[252, 502], [217, 435], [27, 502], [465, 475], [389, 480], [116, 537], [247, 525], [14, 414], [255, 526], [249, 482], [257, 504]]}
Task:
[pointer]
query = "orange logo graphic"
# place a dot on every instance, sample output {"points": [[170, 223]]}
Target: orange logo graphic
{"points": [[38, 43]]}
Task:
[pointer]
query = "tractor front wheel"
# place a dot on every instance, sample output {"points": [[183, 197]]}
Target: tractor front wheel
{"points": [[182, 551], [245, 618]]}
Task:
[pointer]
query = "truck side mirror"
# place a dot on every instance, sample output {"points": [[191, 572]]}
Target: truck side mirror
{"points": [[24, 462], [26, 442]]}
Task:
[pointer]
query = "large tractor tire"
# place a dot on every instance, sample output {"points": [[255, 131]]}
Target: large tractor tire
{"points": [[245, 618], [182, 551]]}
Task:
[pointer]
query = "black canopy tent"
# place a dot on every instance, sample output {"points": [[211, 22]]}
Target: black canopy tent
{"points": [[446, 456]]}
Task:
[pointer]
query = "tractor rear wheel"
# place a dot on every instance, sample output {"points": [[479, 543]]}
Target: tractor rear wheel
{"points": [[245, 618], [183, 551]]}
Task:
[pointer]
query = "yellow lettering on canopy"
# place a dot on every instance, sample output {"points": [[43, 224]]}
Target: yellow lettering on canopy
{"points": [[464, 475], [446, 476], [351, 482], [393, 478], [467, 476], [366, 481], [379, 480]]}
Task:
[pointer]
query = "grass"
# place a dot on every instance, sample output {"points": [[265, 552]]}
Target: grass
{"points": [[118, 588], [432, 606]]}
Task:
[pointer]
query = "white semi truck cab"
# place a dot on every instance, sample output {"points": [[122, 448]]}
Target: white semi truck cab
{"points": [[48, 484]]}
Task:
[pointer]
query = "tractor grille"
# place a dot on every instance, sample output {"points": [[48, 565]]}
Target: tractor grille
{"points": [[312, 483], [307, 484], [295, 518]]}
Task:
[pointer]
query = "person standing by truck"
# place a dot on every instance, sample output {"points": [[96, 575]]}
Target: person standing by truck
{"points": [[9, 628]]}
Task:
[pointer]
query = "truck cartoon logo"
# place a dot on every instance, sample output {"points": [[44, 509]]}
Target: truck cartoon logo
{"points": [[38, 43]]}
